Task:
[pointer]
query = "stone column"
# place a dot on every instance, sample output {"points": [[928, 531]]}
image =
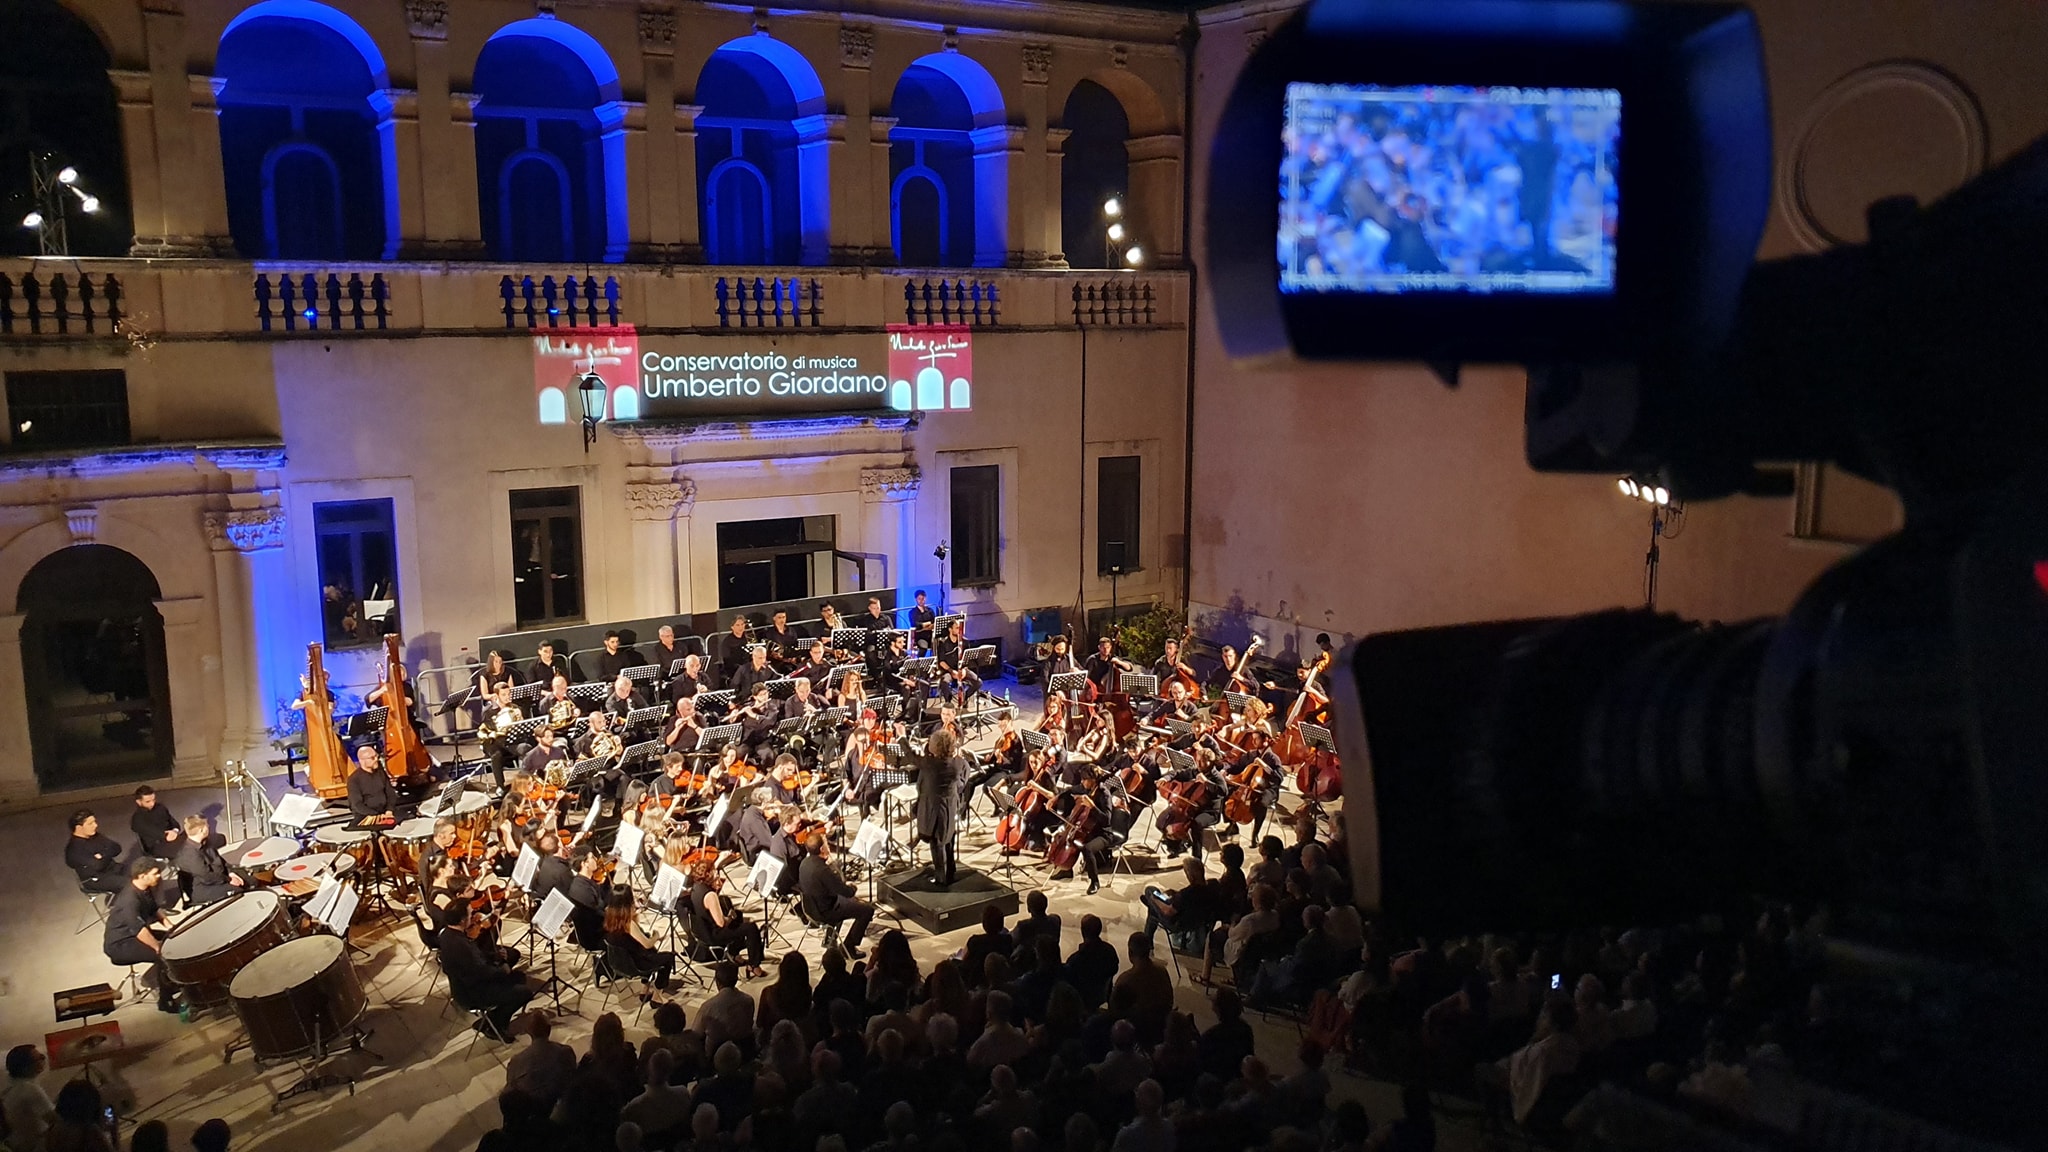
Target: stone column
{"points": [[665, 201], [1055, 200], [166, 165], [660, 510], [889, 521], [879, 180], [999, 222], [205, 173], [814, 187], [257, 663], [398, 129], [1032, 200], [192, 683], [17, 756], [688, 224], [1155, 195], [448, 228], [853, 205]]}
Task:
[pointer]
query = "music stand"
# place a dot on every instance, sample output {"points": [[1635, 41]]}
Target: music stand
{"points": [[918, 667], [1236, 700], [647, 715], [645, 750], [367, 723], [782, 689], [548, 920], [639, 672], [887, 707], [583, 770], [524, 728], [675, 667], [1317, 736], [1179, 727], [1180, 760], [1035, 740], [1068, 682], [944, 624], [720, 699], [1139, 684], [592, 691], [714, 738], [849, 639], [527, 691]]}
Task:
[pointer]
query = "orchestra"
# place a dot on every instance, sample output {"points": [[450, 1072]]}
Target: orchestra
{"points": [[797, 744]]}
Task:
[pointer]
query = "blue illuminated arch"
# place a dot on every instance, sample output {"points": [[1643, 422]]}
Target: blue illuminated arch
{"points": [[950, 130], [761, 145], [295, 80], [548, 93]]}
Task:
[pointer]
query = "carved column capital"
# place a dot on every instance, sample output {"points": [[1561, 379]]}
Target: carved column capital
{"points": [[658, 31], [427, 19], [1120, 55], [660, 499], [889, 485], [245, 529], [856, 45], [1037, 63], [83, 522]]}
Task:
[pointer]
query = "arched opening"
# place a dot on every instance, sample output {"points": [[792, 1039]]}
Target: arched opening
{"points": [[306, 136], [550, 146], [949, 194], [93, 670], [762, 191], [1094, 166], [57, 101]]}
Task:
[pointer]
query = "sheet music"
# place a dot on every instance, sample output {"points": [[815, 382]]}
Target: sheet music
{"points": [[553, 914], [669, 886], [711, 826], [321, 903], [762, 876], [522, 868], [627, 845], [343, 913], [590, 816], [871, 843], [294, 810]]}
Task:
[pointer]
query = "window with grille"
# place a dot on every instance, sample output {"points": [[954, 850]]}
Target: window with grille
{"points": [[1116, 515], [358, 555], [79, 409], [547, 555], [977, 526]]}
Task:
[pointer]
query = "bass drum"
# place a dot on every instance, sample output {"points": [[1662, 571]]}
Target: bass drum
{"points": [[296, 1000], [213, 944]]}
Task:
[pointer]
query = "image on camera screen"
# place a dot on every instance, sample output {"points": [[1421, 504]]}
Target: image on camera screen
{"points": [[1449, 189]]}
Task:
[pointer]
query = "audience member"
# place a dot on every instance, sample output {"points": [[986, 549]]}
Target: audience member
{"points": [[727, 1016], [23, 1104]]}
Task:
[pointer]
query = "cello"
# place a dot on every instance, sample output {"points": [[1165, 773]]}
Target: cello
{"points": [[405, 757], [327, 766]]}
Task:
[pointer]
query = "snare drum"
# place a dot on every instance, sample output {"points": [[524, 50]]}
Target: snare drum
{"points": [[335, 838], [206, 951], [299, 999]]}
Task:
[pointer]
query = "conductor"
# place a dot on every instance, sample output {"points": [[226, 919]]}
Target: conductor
{"points": [[938, 802]]}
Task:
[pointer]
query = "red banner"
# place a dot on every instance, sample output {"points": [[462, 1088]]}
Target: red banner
{"points": [[561, 358], [931, 368]]}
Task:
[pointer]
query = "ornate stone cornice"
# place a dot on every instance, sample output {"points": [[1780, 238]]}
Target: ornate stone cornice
{"points": [[245, 529], [657, 30], [660, 499], [83, 522], [856, 45], [1037, 63], [883, 485], [427, 19]]}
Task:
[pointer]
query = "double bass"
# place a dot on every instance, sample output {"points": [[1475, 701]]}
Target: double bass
{"points": [[1181, 675], [405, 757], [327, 766]]}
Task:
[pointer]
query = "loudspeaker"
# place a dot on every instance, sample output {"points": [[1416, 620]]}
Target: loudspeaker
{"points": [[1113, 556]]}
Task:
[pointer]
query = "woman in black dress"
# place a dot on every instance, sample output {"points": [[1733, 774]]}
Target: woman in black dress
{"points": [[633, 955], [715, 922]]}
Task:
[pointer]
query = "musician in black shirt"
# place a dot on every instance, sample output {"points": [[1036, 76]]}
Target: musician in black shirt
{"points": [[668, 650], [785, 644], [136, 928], [759, 720], [829, 899], [369, 789], [1105, 664], [156, 830], [624, 700], [546, 752], [552, 872], [477, 981], [94, 857], [960, 682], [613, 659], [1170, 665], [1061, 661], [756, 671], [921, 619], [548, 663], [816, 667], [690, 681], [685, 729], [732, 651], [939, 776], [883, 664]]}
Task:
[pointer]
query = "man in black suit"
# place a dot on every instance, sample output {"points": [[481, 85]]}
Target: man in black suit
{"points": [[829, 899], [478, 981], [94, 857], [553, 872], [136, 928], [156, 830], [587, 897]]}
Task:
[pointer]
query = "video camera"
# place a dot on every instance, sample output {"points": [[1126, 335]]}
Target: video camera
{"points": [[1580, 187]]}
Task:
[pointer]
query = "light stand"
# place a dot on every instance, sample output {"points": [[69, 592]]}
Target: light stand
{"points": [[1116, 571], [1652, 557], [1665, 517], [940, 552], [48, 216]]}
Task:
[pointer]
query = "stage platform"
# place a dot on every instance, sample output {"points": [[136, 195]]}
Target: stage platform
{"points": [[943, 910]]}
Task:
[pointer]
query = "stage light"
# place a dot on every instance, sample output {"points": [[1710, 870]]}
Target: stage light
{"points": [[90, 204], [1112, 207], [1663, 496], [32, 220], [1135, 256], [67, 175], [1116, 231], [1627, 486]]}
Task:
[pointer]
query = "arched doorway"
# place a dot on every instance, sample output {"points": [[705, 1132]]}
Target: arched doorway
{"points": [[92, 656]]}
